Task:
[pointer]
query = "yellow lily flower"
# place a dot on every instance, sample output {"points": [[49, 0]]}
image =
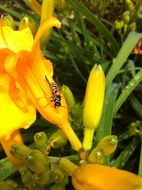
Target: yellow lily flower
{"points": [[100, 177], [26, 64], [16, 111]]}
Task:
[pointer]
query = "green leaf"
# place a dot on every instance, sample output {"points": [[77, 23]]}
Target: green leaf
{"points": [[6, 169], [122, 56], [105, 126], [127, 90], [126, 153], [96, 22], [136, 105]]}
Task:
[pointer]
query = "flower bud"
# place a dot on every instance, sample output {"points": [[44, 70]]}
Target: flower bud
{"points": [[96, 177], [93, 104], [132, 26], [126, 17], [96, 156], [57, 175], [40, 140], [118, 25], [26, 175], [20, 151], [68, 96], [57, 139], [43, 178], [36, 161], [108, 144], [28, 22]]}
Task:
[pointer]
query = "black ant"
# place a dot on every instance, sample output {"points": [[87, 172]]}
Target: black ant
{"points": [[56, 97]]}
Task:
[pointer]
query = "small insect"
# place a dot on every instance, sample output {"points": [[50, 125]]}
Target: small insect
{"points": [[56, 97]]}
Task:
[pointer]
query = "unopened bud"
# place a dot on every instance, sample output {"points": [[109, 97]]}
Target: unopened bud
{"points": [[57, 139], [28, 22], [132, 26], [58, 175], [96, 156], [20, 151], [126, 17], [68, 96], [26, 175], [40, 140], [43, 178], [118, 25], [93, 104], [108, 144], [36, 161]]}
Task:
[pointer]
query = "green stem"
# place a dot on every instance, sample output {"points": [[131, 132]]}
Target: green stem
{"points": [[128, 89], [122, 56]]}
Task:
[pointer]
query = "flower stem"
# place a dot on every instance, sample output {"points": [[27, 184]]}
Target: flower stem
{"points": [[67, 166], [88, 138], [70, 134]]}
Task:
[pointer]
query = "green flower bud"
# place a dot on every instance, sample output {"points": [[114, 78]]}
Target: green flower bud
{"points": [[20, 151], [126, 17], [26, 175], [96, 156], [57, 175], [40, 140], [36, 161], [118, 25], [68, 96], [43, 178], [28, 22], [135, 128], [57, 139], [8, 21], [132, 26], [108, 144]]}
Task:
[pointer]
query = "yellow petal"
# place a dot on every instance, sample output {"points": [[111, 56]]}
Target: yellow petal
{"points": [[33, 4], [15, 40], [99, 177], [46, 24], [11, 116]]}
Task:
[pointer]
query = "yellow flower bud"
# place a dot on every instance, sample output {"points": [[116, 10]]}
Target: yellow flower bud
{"points": [[28, 22], [68, 96], [93, 104], [99, 177], [108, 144]]}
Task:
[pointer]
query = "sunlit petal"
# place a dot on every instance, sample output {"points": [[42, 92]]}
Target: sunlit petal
{"points": [[16, 40]]}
